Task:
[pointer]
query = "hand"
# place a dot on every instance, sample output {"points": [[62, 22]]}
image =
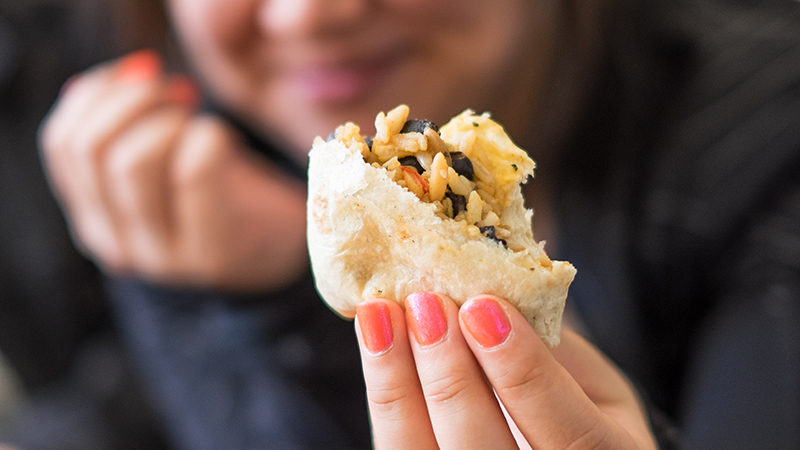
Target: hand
{"points": [[152, 189], [434, 375]]}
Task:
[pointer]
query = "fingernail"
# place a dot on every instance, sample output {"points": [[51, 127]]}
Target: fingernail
{"points": [[140, 65], [426, 317], [487, 321], [375, 322], [182, 89]]}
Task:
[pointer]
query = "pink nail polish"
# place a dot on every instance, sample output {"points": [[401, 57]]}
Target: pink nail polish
{"points": [[375, 323], [140, 65], [426, 317], [486, 321]]}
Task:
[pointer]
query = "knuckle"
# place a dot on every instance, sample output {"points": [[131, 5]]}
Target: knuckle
{"points": [[128, 166], [54, 140], [447, 387], [595, 437], [86, 145], [142, 150], [389, 397], [197, 172], [521, 381], [108, 255], [204, 147], [48, 138]]}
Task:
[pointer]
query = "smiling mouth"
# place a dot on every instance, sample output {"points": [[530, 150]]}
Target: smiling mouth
{"points": [[342, 82]]}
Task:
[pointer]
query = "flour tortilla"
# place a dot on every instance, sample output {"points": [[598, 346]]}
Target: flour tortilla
{"points": [[369, 237]]}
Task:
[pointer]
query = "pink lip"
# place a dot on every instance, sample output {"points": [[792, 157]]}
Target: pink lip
{"points": [[338, 82]]}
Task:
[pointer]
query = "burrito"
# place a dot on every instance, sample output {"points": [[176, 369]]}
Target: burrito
{"points": [[418, 208]]}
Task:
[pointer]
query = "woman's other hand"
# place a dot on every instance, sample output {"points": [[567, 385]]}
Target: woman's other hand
{"points": [[434, 375], [153, 189]]}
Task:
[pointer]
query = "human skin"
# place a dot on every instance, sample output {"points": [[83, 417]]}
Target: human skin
{"points": [[298, 68], [434, 374], [154, 189], [163, 210]]}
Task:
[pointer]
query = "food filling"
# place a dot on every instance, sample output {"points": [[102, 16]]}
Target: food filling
{"points": [[467, 175]]}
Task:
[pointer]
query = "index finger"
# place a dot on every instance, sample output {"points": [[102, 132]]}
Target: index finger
{"points": [[396, 403]]}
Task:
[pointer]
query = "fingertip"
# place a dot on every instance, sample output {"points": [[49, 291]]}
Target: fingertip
{"points": [[204, 146], [375, 324], [140, 65], [45, 137], [426, 314], [486, 319], [397, 409], [71, 81]]}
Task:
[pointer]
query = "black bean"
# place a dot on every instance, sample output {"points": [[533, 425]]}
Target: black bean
{"points": [[411, 161], [418, 126], [462, 165], [459, 202], [491, 233]]}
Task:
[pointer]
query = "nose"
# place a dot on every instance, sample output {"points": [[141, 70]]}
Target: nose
{"points": [[303, 17]]}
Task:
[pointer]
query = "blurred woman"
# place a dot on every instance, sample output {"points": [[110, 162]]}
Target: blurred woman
{"points": [[667, 178]]}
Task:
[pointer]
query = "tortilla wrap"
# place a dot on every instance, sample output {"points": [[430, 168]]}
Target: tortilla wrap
{"points": [[370, 237]]}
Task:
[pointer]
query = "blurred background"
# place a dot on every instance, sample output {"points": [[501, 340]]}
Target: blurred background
{"points": [[54, 324], [66, 383]]}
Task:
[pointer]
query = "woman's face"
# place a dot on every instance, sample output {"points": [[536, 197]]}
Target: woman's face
{"points": [[296, 69]]}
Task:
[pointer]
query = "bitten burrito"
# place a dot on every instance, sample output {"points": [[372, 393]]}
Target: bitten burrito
{"points": [[417, 208]]}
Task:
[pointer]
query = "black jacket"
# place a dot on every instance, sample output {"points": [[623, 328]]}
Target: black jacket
{"points": [[682, 215], [679, 205]]}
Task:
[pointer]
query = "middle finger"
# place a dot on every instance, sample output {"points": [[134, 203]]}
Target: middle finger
{"points": [[463, 408]]}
